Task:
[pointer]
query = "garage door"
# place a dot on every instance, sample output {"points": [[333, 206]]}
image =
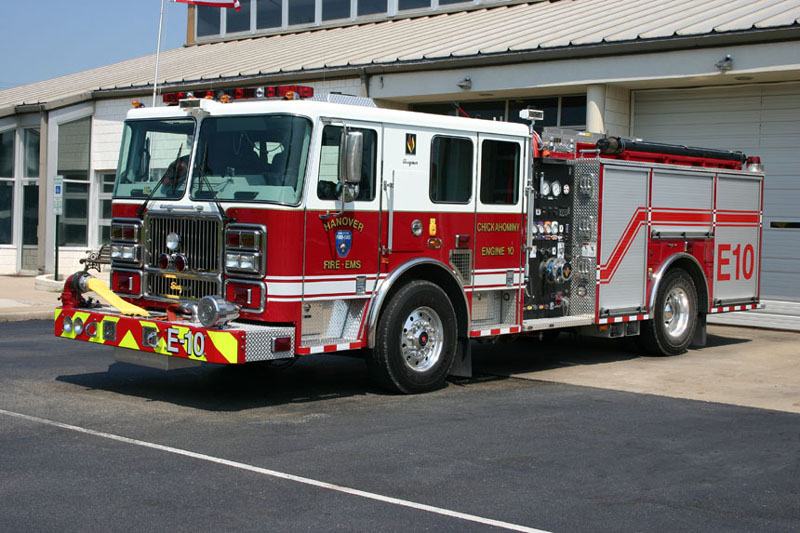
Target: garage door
{"points": [[761, 120]]}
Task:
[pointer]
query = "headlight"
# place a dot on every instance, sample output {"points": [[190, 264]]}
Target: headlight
{"points": [[125, 252], [66, 325], [173, 241], [242, 261]]}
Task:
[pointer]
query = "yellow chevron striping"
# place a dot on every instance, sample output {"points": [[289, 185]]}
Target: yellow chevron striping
{"points": [[128, 342], [226, 344]]}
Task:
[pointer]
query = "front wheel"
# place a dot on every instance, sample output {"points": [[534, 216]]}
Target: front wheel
{"points": [[674, 316], [415, 340]]}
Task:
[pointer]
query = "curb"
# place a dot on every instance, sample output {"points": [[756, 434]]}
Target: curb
{"points": [[46, 314], [45, 282]]}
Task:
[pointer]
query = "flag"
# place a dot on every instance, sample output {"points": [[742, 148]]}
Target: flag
{"points": [[213, 3]]}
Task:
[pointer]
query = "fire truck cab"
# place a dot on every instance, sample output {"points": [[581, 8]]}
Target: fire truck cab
{"points": [[267, 230]]}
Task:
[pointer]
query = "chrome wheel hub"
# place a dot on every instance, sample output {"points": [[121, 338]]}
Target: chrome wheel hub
{"points": [[676, 313], [421, 339]]}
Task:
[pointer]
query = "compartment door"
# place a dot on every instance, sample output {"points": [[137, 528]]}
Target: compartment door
{"points": [[621, 280]]}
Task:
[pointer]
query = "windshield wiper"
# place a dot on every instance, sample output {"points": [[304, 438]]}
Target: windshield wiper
{"points": [[174, 166], [204, 179]]}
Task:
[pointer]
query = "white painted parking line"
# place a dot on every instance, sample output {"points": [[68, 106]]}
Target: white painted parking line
{"points": [[280, 475]]}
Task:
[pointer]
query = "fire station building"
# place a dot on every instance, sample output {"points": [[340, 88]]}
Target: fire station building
{"points": [[711, 73]]}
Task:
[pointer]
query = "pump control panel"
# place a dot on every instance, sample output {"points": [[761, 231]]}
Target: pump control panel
{"points": [[550, 254]]}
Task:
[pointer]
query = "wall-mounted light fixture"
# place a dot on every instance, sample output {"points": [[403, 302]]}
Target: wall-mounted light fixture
{"points": [[725, 64], [465, 84]]}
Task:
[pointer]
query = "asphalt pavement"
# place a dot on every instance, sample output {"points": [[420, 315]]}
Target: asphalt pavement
{"points": [[92, 444]]}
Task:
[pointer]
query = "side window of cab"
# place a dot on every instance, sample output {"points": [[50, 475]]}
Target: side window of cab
{"points": [[328, 184]]}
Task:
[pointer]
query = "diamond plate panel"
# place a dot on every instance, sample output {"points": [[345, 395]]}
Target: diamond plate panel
{"points": [[332, 319], [584, 237], [259, 339], [493, 307]]}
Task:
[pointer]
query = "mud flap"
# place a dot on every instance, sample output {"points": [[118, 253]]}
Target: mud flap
{"points": [[462, 363], [699, 339]]}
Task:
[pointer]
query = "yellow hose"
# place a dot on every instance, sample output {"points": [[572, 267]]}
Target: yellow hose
{"points": [[101, 289]]}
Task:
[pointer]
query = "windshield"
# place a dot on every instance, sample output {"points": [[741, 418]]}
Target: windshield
{"points": [[152, 150], [251, 158]]}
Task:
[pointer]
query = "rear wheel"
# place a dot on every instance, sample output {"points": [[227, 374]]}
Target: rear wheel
{"points": [[674, 316], [415, 340]]}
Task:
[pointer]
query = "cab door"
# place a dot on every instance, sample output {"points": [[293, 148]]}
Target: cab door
{"points": [[430, 197], [341, 246], [499, 230]]}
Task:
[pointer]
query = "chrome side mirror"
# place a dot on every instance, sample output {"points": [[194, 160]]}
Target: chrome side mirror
{"points": [[350, 156]]}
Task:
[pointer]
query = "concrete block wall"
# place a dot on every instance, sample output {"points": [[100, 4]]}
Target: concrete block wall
{"points": [[30, 261], [8, 260], [69, 260]]}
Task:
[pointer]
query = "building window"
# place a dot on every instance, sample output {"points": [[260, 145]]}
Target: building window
{"points": [[30, 212], [105, 190], [499, 172], [269, 14], [73, 164], [561, 111], [402, 5], [371, 7], [451, 170], [7, 186], [31, 152], [30, 186], [301, 12], [335, 9], [238, 21], [208, 21], [327, 187], [215, 22]]}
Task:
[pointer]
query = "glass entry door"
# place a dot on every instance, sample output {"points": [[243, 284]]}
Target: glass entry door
{"points": [[30, 225]]}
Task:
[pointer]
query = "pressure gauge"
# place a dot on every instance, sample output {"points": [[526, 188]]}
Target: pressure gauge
{"points": [[555, 187], [545, 188], [540, 228], [566, 188], [547, 228]]}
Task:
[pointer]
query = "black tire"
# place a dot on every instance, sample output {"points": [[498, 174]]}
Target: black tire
{"points": [[415, 341], [674, 316]]}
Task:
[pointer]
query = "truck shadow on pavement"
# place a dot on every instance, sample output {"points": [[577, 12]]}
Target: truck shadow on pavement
{"points": [[222, 388], [529, 354], [322, 378]]}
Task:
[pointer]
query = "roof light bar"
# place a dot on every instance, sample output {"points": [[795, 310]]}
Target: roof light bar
{"points": [[287, 92]]}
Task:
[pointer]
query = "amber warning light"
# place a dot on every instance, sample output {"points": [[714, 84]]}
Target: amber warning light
{"points": [[287, 92]]}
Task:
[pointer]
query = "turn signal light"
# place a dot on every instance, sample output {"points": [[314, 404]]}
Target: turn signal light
{"points": [[282, 344], [125, 282], [249, 296]]}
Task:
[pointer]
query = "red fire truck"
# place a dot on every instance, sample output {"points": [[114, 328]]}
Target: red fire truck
{"points": [[264, 230]]}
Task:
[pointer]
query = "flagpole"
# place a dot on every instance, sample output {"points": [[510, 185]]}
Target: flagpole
{"points": [[158, 53]]}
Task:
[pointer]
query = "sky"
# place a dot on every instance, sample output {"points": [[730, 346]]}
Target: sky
{"points": [[43, 39]]}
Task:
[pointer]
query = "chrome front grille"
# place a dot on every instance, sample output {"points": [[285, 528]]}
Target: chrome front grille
{"points": [[201, 240], [201, 244], [174, 288]]}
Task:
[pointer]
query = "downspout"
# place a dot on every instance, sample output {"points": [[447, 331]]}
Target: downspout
{"points": [[364, 82]]}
